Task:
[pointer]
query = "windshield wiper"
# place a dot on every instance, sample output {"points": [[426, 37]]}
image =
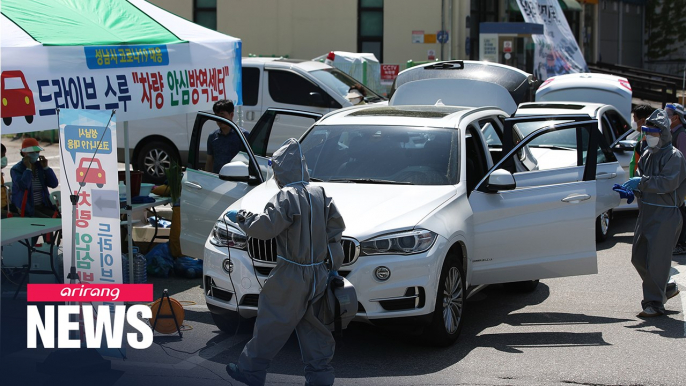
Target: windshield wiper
{"points": [[369, 181], [316, 179]]}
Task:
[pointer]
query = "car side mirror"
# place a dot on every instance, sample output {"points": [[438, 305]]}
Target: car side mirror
{"points": [[235, 171], [625, 145], [500, 179], [317, 99]]}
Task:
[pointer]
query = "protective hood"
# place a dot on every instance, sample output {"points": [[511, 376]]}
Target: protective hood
{"points": [[289, 164], [660, 120]]}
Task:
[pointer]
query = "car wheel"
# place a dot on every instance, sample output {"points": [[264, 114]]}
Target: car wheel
{"points": [[29, 118], [7, 120], [99, 185], [153, 159], [81, 183], [602, 226], [448, 315], [522, 286], [227, 322]]}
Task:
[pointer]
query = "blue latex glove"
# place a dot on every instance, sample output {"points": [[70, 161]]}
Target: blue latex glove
{"points": [[333, 273], [632, 184], [232, 215], [624, 193]]}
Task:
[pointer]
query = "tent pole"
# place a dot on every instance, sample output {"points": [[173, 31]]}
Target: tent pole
{"points": [[129, 239]]}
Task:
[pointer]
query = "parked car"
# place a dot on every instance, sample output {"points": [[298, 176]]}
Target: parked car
{"points": [[430, 218], [474, 93], [616, 132], [520, 84], [267, 82], [588, 88]]}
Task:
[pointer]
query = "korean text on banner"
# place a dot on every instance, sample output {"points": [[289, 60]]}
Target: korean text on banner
{"points": [[88, 150], [556, 51]]}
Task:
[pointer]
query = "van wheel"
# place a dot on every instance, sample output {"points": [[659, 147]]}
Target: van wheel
{"points": [[153, 158], [602, 226], [448, 315]]}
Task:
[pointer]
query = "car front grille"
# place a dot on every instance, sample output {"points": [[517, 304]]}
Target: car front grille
{"points": [[265, 250]]}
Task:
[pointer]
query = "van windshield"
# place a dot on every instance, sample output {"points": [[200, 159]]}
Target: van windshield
{"points": [[382, 154], [341, 82]]}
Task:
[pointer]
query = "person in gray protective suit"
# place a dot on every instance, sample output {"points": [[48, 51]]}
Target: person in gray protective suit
{"points": [[660, 191], [307, 227]]}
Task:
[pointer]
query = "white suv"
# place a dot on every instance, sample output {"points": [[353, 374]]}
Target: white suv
{"points": [[430, 218]]}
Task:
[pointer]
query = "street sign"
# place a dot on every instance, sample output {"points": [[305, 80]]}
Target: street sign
{"points": [[507, 46], [431, 55], [442, 36], [389, 72]]}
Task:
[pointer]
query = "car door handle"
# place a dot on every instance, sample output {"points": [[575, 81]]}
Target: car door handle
{"points": [[192, 185], [576, 198], [605, 176]]}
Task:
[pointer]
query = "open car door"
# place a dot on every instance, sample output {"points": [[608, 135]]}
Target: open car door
{"points": [[538, 224], [274, 128], [204, 194], [562, 162]]}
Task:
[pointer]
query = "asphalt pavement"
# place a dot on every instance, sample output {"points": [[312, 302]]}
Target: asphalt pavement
{"points": [[578, 330]]}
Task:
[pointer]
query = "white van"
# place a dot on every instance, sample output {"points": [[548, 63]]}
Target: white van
{"points": [[267, 82], [588, 88]]}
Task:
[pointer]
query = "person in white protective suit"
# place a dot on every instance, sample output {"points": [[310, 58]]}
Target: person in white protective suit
{"points": [[307, 227], [660, 191]]}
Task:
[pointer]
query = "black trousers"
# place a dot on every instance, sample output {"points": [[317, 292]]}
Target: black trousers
{"points": [[682, 236]]}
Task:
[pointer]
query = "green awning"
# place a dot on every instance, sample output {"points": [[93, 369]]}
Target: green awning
{"points": [[86, 22], [566, 5]]}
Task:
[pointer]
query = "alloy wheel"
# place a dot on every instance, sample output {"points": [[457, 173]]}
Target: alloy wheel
{"points": [[156, 161], [453, 300]]}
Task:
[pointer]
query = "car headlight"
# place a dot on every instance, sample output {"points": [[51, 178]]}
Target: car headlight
{"points": [[224, 235], [404, 243]]}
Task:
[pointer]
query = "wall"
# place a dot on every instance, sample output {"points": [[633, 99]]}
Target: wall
{"points": [[183, 8]]}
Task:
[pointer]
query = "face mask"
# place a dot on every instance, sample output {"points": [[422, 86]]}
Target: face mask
{"points": [[634, 126], [4, 162], [652, 141], [33, 157]]}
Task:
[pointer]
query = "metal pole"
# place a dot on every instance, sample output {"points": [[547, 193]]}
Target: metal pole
{"points": [[683, 87], [450, 25], [129, 239], [442, 26]]}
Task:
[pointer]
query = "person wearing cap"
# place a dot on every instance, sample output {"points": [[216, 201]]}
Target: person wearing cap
{"points": [[675, 113], [31, 178], [660, 190]]}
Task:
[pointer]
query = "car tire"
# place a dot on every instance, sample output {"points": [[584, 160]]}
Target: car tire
{"points": [[29, 119], [227, 322], [153, 158], [602, 226], [448, 315], [7, 120], [522, 286]]}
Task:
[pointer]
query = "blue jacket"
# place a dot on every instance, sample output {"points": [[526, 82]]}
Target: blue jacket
{"points": [[22, 181]]}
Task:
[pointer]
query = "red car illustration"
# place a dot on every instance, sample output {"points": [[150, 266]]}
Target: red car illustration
{"points": [[17, 98], [93, 176]]}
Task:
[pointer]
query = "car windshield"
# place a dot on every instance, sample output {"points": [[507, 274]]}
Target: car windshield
{"points": [[341, 83], [382, 154]]}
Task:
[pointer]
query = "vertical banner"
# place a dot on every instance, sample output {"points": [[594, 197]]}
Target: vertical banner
{"points": [[88, 151], [556, 51]]}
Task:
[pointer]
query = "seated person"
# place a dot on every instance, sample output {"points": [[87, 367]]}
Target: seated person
{"points": [[223, 144], [31, 178]]}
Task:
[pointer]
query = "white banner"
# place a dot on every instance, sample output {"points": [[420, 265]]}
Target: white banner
{"points": [[556, 51], [138, 81], [93, 176]]}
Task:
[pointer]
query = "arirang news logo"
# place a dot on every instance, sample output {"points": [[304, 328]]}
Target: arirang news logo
{"points": [[80, 322]]}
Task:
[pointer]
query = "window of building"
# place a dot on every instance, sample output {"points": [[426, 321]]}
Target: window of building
{"points": [[370, 27], [205, 13]]}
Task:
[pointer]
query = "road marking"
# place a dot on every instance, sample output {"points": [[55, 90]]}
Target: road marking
{"points": [[680, 279]]}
